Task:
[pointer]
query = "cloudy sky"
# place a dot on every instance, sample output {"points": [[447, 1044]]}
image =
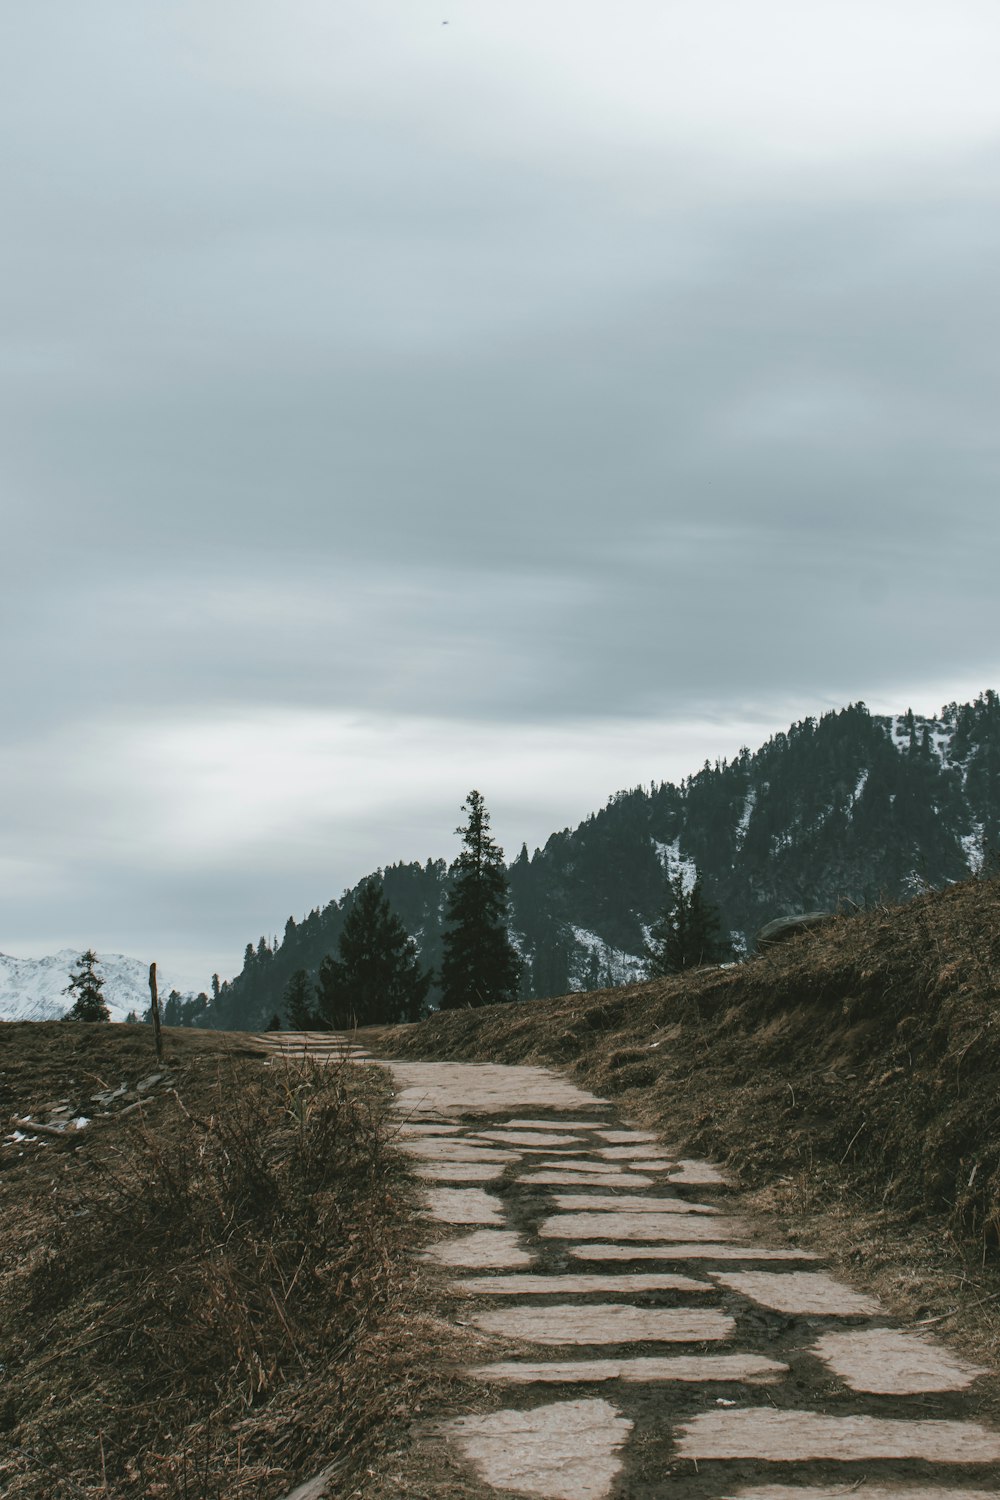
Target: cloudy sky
{"points": [[398, 397]]}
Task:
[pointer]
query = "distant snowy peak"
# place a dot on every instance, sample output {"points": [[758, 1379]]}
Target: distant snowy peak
{"points": [[32, 989]]}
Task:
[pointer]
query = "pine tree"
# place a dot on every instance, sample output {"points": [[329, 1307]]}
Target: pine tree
{"points": [[687, 933], [550, 968], [86, 987], [377, 979], [480, 965], [194, 1012], [300, 1002]]}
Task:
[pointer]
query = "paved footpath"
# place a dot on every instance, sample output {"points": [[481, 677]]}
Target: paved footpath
{"points": [[665, 1348]]}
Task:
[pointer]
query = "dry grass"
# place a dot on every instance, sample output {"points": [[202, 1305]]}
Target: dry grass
{"points": [[850, 1077], [210, 1298]]}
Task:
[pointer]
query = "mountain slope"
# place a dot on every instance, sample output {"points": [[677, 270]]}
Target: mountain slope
{"points": [[851, 809]]}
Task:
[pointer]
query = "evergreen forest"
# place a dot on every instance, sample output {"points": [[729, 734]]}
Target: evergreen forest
{"points": [[851, 808]]}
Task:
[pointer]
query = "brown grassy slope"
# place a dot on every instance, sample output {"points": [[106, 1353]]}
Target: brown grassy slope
{"points": [[859, 1060], [209, 1297]]}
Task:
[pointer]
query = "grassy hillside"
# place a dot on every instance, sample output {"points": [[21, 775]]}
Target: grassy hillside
{"points": [[205, 1288], [853, 1073]]}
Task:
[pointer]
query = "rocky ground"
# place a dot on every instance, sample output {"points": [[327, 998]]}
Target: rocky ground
{"points": [[621, 1321]]}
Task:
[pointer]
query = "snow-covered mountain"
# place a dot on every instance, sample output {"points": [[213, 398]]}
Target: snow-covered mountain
{"points": [[31, 989]]}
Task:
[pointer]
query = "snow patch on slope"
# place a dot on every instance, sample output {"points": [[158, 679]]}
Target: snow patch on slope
{"points": [[31, 989], [745, 816], [614, 967], [675, 863], [972, 848], [939, 736]]}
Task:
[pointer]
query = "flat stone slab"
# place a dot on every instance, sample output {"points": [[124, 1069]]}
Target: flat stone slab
{"points": [[567, 1154], [685, 1251], [460, 1171], [700, 1174], [293, 1040], [893, 1363], [626, 1137], [323, 1051], [571, 1178], [646, 1226], [321, 1054], [751, 1369], [783, 1436], [446, 1149], [478, 1088], [536, 1139], [859, 1492], [629, 1203], [463, 1206], [553, 1125], [802, 1292], [406, 1131], [635, 1153], [483, 1250], [550, 1164], [607, 1323], [566, 1451], [516, 1286]]}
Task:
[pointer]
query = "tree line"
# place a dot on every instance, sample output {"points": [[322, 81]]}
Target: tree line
{"points": [[376, 976]]}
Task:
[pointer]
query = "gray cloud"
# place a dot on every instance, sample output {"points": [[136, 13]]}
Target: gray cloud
{"points": [[515, 385]]}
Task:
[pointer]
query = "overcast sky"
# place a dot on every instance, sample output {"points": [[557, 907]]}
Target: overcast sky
{"points": [[398, 397]]}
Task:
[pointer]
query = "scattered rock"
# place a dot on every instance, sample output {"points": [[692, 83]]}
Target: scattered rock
{"points": [[783, 928]]}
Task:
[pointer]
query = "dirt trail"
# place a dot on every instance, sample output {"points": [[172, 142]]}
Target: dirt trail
{"points": [[649, 1340]]}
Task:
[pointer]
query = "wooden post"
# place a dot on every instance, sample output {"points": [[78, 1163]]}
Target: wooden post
{"points": [[155, 1011]]}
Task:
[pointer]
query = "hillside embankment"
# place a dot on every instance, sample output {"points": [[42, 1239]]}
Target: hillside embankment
{"points": [[211, 1283], [850, 1079], [206, 1288]]}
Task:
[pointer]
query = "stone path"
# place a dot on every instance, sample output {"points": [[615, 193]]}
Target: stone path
{"points": [[704, 1361]]}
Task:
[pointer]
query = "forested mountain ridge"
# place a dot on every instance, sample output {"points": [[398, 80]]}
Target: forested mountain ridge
{"points": [[852, 807]]}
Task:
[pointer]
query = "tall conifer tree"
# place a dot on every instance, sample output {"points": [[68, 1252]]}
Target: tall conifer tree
{"points": [[480, 965], [687, 933], [299, 1000], [377, 978], [86, 987]]}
